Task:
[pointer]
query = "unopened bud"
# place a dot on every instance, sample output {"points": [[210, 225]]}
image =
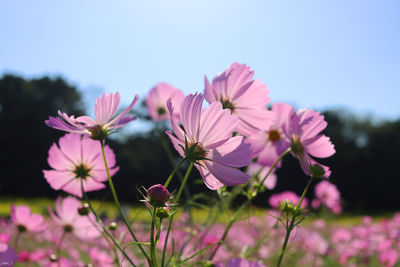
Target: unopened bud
{"points": [[113, 226], [53, 258], [317, 171], [84, 209], [162, 212], [158, 195]]}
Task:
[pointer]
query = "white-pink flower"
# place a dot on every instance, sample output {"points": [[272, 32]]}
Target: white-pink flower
{"points": [[243, 96], [157, 98], [78, 159], [105, 120], [208, 133], [25, 220], [67, 216], [306, 141]]}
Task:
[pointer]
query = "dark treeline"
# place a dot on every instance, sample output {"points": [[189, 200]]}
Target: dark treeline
{"points": [[364, 167]]}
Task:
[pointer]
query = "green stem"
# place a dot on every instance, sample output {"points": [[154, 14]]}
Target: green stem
{"points": [[173, 161], [292, 222], [59, 247], [173, 172], [247, 202], [103, 227], [172, 216], [16, 240], [116, 259], [164, 144], [116, 201], [152, 241]]}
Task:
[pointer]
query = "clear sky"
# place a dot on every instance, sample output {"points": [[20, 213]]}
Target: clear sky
{"points": [[314, 54]]}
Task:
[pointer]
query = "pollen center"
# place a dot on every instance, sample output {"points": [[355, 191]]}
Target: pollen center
{"points": [[81, 171], [227, 104], [161, 111], [274, 136]]}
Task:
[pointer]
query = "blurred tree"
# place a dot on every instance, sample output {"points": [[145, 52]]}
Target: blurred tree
{"points": [[24, 137]]}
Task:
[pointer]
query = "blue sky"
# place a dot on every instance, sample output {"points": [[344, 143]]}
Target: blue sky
{"points": [[314, 54]]}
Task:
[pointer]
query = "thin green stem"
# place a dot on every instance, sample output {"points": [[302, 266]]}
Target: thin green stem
{"points": [[164, 144], [103, 227], [173, 172], [116, 201], [292, 222], [59, 247], [246, 203], [116, 259], [16, 240], [172, 216], [152, 241]]}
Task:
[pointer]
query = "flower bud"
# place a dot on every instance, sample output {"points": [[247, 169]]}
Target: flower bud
{"points": [[162, 212], [317, 171], [113, 226], [53, 258], [158, 195], [84, 209]]}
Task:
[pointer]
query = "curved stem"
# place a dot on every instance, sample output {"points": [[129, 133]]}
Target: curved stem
{"points": [[247, 202], [173, 172], [172, 216], [292, 222], [103, 227], [116, 201]]}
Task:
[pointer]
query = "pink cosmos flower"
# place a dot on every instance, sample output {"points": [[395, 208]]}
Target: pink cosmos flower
{"points": [[328, 195], [208, 134], [105, 109], [245, 97], [25, 220], [67, 216], [270, 182], [269, 144], [156, 101], [306, 141], [276, 199], [100, 258], [77, 159]]}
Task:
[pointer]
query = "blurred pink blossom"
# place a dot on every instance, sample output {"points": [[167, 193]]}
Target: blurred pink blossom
{"points": [[328, 195], [306, 140], [67, 216], [287, 196], [157, 98], [25, 220], [267, 145], [100, 258], [270, 182]]}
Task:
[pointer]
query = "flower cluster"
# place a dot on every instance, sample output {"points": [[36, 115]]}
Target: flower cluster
{"points": [[234, 141]]}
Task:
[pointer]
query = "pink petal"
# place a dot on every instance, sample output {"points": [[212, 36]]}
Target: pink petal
{"points": [[57, 179], [57, 159], [190, 115], [227, 175], [209, 179], [216, 124], [320, 147], [233, 153], [123, 113], [70, 145], [180, 134]]}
